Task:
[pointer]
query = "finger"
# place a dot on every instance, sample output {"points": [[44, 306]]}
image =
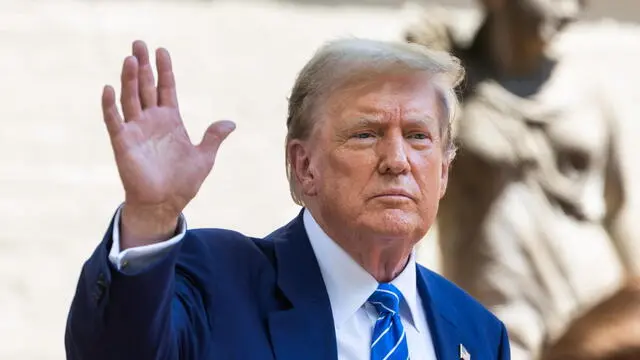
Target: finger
{"points": [[146, 81], [166, 81], [214, 136], [129, 98], [110, 114]]}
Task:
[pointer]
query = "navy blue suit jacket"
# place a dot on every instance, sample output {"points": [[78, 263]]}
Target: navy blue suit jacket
{"points": [[222, 295]]}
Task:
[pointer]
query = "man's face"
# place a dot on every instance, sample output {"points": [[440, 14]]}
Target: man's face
{"points": [[376, 159]]}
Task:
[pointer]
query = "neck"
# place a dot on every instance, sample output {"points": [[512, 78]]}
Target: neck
{"points": [[382, 257], [384, 263], [514, 43]]}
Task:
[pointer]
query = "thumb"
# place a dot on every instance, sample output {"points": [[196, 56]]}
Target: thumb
{"points": [[215, 135]]}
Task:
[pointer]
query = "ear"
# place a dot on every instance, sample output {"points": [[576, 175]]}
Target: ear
{"points": [[444, 175], [301, 169]]}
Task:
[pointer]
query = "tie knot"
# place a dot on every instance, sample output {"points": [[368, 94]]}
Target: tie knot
{"points": [[386, 299]]}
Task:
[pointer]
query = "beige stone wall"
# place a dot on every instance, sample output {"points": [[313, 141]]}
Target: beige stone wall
{"points": [[58, 183]]}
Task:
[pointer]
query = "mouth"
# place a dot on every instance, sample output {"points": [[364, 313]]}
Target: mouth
{"points": [[394, 194]]}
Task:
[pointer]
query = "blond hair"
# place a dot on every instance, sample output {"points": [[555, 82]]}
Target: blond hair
{"points": [[350, 60]]}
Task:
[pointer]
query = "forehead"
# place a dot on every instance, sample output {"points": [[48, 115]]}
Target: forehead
{"points": [[401, 96]]}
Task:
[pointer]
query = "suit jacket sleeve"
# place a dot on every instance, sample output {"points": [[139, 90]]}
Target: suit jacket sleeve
{"points": [[155, 313]]}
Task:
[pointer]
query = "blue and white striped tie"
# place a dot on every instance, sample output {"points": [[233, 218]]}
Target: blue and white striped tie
{"points": [[389, 341]]}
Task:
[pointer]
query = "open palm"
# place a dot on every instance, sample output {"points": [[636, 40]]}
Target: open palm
{"points": [[158, 164]]}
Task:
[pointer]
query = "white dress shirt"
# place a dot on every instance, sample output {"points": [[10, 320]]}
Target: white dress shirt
{"points": [[348, 286]]}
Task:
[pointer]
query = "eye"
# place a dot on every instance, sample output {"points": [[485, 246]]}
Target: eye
{"points": [[363, 135], [419, 136]]}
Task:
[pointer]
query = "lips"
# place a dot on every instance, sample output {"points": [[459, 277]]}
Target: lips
{"points": [[395, 193]]}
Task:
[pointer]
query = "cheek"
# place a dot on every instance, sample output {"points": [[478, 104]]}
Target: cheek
{"points": [[351, 165], [347, 172], [428, 174]]}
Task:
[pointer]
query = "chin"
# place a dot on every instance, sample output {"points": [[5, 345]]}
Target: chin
{"points": [[395, 223]]}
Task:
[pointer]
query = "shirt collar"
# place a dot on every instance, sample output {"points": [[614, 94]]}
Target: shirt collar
{"points": [[348, 284]]}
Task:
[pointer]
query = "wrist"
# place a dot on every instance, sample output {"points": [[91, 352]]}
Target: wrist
{"points": [[145, 225]]}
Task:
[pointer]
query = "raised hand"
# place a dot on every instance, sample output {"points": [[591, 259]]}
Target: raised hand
{"points": [[160, 168]]}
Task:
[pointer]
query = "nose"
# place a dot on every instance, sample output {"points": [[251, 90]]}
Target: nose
{"points": [[393, 155]]}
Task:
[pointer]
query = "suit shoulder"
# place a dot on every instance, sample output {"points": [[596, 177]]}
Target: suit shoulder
{"points": [[463, 304], [480, 327]]}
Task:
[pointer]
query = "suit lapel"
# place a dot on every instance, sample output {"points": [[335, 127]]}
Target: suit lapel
{"points": [[441, 318], [305, 329]]}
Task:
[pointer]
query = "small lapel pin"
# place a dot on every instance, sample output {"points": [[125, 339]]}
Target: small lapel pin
{"points": [[464, 354]]}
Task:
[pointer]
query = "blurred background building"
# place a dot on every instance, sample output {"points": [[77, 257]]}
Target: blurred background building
{"points": [[234, 60]]}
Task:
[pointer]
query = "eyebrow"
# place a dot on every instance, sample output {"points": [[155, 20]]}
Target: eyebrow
{"points": [[377, 119]]}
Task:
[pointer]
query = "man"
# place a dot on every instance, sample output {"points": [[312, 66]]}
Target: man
{"points": [[368, 151]]}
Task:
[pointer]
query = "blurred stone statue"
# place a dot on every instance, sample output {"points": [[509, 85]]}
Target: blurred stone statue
{"points": [[608, 331], [539, 160]]}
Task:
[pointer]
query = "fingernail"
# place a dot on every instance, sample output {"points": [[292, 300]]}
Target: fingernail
{"points": [[228, 125]]}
